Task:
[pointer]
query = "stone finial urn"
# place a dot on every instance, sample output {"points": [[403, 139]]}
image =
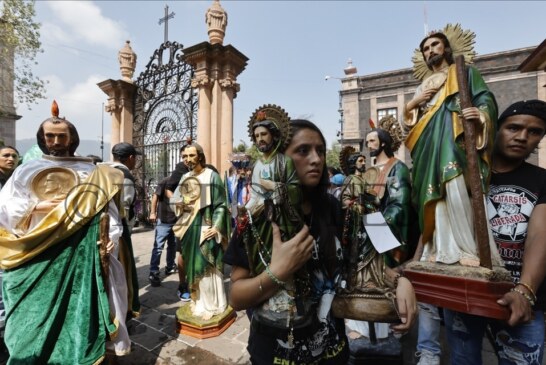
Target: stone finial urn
{"points": [[127, 62], [216, 19], [350, 69]]}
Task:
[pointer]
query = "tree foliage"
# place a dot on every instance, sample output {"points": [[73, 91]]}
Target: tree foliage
{"points": [[332, 155], [20, 39]]}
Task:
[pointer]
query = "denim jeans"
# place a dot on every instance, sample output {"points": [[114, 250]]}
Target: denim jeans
{"points": [[523, 344], [163, 233], [428, 337]]}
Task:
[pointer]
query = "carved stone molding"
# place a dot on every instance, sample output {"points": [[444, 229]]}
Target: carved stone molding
{"points": [[201, 81], [230, 84], [112, 106]]}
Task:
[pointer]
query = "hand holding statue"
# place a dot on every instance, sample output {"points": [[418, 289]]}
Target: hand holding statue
{"points": [[287, 257], [407, 305], [520, 308]]}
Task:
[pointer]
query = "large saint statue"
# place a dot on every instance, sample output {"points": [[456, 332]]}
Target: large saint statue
{"points": [[275, 196], [275, 191], [274, 180], [61, 309], [384, 188], [440, 193], [203, 218]]}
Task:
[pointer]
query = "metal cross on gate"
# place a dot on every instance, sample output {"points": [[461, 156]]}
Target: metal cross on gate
{"points": [[165, 20]]}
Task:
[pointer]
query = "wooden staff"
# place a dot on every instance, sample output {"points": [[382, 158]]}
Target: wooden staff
{"points": [[104, 229], [473, 173]]}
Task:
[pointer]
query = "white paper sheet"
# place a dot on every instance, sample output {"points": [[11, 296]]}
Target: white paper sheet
{"points": [[379, 232]]}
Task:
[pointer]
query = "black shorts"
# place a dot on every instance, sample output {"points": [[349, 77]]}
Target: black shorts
{"points": [[178, 245]]}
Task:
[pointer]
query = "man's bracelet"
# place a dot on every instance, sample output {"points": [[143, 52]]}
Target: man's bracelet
{"points": [[273, 278], [525, 295], [528, 287]]}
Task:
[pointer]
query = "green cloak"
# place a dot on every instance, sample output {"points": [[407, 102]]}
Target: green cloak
{"points": [[200, 256], [437, 146], [57, 304]]}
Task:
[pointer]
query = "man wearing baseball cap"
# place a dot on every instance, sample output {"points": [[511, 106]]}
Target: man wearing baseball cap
{"points": [[516, 207], [124, 155], [125, 160]]}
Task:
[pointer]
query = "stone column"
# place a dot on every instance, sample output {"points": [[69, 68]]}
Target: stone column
{"points": [[120, 106], [203, 84], [216, 68], [229, 90], [121, 93]]}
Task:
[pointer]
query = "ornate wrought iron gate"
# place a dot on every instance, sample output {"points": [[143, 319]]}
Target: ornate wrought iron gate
{"points": [[165, 116]]}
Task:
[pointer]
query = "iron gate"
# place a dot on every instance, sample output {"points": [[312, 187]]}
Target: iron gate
{"points": [[165, 116]]}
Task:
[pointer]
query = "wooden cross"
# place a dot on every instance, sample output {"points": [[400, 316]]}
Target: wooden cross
{"points": [[165, 20]]}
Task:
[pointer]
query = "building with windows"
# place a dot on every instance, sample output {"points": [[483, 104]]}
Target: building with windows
{"points": [[377, 95]]}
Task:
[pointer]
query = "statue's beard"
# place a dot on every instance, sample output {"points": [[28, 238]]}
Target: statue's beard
{"points": [[265, 147], [58, 151], [376, 152], [435, 60]]}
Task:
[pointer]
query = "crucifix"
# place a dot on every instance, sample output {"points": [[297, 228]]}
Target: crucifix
{"points": [[165, 20]]}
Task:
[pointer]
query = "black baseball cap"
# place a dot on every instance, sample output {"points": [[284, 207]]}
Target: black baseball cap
{"points": [[124, 149], [534, 107]]}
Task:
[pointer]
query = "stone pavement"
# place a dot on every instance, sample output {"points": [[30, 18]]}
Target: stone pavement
{"points": [[154, 337]]}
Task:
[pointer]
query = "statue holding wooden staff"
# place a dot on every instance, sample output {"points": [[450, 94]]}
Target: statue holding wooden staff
{"points": [[452, 123], [446, 197]]}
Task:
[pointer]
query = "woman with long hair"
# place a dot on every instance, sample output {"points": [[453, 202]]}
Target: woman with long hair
{"points": [[303, 330]]}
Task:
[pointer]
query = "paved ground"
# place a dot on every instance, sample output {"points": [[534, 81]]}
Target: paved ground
{"points": [[155, 341], [153, 334]]}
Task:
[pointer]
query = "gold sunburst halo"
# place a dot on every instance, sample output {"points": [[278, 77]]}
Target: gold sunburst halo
{"points": [[278, 116], [461, 42], [344, 155], [391, 125]]}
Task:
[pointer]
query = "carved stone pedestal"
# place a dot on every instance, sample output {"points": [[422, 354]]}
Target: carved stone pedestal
{"points": [[190, 325], [473, 290]]}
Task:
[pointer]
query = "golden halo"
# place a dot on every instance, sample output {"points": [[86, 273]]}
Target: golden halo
{"points": [[344, 155], [278, 116], [391, 125], [461, 42]]}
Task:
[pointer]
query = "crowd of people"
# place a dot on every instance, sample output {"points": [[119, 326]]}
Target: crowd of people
{"points": [[305, 265]]}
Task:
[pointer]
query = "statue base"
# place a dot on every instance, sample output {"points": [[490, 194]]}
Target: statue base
{"points": [[188, 324], [365, 307], [472, 290]]}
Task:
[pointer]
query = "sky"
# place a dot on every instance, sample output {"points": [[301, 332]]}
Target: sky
{"points": [[291, 46]]}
